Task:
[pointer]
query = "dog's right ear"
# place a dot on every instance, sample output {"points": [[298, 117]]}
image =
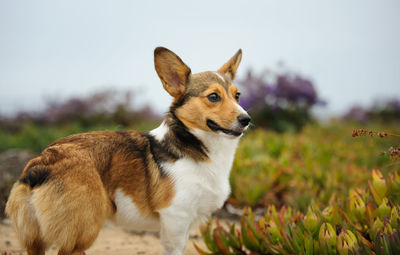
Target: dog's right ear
{"points": [[174, 74]]}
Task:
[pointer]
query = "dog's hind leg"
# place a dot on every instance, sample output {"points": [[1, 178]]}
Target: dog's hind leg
{"points": [[22, 214], [71, 210]]}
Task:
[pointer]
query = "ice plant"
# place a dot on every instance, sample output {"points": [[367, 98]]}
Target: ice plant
{"points": [[355, 226], [394, 184], [379, 184], [357, 205], [383, 209], [346, 242], [327, 237], [330, 214], [311, 221], [394, 216], [378, 224]]}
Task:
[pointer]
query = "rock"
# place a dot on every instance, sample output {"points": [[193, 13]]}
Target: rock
{"points": [[12, 163]]}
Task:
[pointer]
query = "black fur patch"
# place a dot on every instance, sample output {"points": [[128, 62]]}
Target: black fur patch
{"points": [[133, 147], [179, 103], [160, 152], [35, 177], [187, 143]]}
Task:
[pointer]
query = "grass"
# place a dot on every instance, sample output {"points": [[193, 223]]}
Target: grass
{"points": [[36, 138]]}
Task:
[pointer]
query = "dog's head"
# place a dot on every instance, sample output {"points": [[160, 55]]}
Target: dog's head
{"points": [[207, 101]]}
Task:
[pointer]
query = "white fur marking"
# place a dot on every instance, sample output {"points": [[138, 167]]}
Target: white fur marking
{"points": [[128, 215], [202, 187], [220, 76], [160, 131], [241, 110]]}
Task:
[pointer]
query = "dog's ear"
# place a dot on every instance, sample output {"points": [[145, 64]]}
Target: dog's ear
{"points": [[232, 65], [174, 74]]}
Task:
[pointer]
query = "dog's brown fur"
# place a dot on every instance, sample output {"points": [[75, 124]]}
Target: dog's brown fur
{"points": [[84, 170], [64, 195]]}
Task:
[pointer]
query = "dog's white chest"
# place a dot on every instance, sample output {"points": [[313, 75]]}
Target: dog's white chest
{"points": [[128, 216], [200, 187], [199, 191], [203, 187]]}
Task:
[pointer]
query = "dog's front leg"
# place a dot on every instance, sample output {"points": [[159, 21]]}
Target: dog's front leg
{"points": [[174, 233]]}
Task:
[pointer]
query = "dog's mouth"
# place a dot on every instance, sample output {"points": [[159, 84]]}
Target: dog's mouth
{"points": [[215, 127]]}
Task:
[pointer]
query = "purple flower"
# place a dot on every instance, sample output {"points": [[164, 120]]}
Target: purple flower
{"points": [[293, 90]]}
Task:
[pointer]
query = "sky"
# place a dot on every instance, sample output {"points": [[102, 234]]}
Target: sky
{"points": [[52, 50]]}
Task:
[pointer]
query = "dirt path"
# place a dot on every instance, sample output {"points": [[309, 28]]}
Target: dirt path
{"points": [[111, 240]]}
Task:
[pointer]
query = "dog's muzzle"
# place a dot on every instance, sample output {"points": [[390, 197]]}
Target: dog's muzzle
{"points": [[243, 121]]}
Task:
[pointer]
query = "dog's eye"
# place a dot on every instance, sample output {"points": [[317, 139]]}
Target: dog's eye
{"points": [[237, 96], [214, 97]]}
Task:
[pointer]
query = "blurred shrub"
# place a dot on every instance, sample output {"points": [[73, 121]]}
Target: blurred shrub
{"points": [[107, 107], [109, 110], [281, 102], [11, 164], [318, 163], [384, 112], [366, 222]]}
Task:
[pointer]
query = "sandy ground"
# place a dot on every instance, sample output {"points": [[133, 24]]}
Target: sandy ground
{"points": [[111, 240]]}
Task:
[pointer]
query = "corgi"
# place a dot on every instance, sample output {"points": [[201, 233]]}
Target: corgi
{"points": [[164, 180]]}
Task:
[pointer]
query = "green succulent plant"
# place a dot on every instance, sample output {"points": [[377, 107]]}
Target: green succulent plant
{"points": [[360, 224]]}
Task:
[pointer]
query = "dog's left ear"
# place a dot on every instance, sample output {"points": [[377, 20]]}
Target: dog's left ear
{"points": [[232, 65], [174, 74]]}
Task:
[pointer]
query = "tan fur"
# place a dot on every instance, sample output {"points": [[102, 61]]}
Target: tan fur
{"points": [[172, 71], [198, 109], [22, 213], [232, 65]]}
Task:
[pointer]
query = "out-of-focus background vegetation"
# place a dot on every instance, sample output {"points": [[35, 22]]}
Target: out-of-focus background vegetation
{"points": [[288, 157], [297, 155]]}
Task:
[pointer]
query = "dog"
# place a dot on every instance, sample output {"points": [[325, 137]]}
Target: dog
{"points": [[164, 180]]}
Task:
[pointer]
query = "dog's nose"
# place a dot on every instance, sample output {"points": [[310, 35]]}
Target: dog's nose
{"points": [[244, 119]]}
